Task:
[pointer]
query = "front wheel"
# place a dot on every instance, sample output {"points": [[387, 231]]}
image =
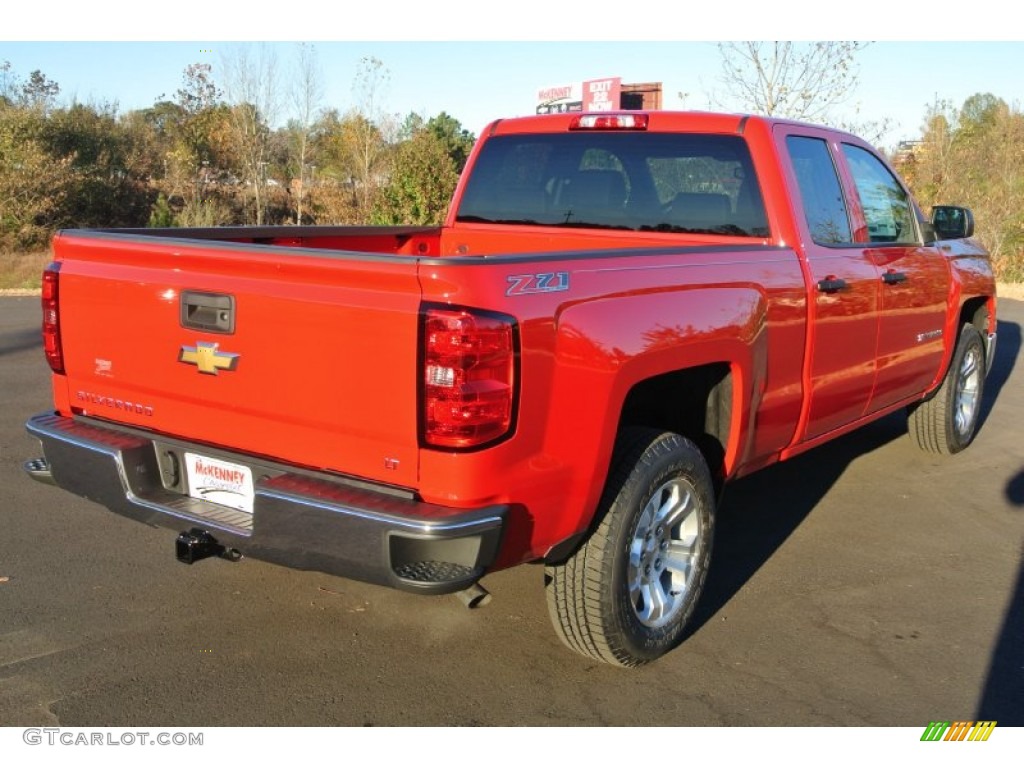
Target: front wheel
{"points": [[626, 595], [946, 422]]}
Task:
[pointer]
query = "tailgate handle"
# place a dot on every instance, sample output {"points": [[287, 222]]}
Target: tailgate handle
{"points": [[210, 312]]}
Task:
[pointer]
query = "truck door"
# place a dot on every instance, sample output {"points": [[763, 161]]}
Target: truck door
{"points": [[914, 279], [844, 307]]}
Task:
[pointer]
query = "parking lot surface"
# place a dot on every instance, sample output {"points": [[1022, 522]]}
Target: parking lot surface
{"points": [[863, 583]]}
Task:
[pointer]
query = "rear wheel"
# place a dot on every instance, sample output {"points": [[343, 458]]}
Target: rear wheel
{"points": [[626, 595], [946, 422]]}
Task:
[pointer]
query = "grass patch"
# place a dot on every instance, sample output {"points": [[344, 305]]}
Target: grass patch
{"points": [[1010, 291], [22, 271]]}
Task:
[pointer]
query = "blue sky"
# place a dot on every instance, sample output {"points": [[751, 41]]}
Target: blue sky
{"points": [[477, 81]]}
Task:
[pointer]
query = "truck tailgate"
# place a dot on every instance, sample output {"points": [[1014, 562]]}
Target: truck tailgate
{"points": [[302, 358]]}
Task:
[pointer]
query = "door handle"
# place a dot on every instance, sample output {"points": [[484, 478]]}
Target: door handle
{"points": [[893, 278], [832, 285]]}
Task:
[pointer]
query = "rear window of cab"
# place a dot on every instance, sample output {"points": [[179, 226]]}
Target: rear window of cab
{"points": [[645, 182]]}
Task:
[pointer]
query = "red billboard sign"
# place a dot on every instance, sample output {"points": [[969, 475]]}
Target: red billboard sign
{"points": [[602, 95]]}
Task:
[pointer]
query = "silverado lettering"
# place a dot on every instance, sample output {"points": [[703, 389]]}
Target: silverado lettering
{"points": [[420, 406], [111, 402]]}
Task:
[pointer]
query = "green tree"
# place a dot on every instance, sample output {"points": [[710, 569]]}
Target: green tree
{"points": [[161, 215], [39, 92], [201, 150], [107, 191], [457, 141], [412, 124], [198, 100], [184, 149], [974, 156], [421, 183], [979, 113], [35, 185]]}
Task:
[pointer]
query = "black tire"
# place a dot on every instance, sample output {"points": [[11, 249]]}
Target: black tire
{"points": [[626, 595], [946, 422]]}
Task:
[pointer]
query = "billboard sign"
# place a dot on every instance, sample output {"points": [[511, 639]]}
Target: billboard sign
{"points": [[559, 98], [602, 95]]}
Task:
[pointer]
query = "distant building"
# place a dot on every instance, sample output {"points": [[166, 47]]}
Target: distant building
{"points": [[641, 96]]}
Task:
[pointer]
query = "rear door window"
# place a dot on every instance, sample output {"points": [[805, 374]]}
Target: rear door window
{"points": [[821, 194]]}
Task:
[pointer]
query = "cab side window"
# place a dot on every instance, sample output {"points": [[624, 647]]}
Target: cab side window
{"points": [[820, 190], [888, 212]]}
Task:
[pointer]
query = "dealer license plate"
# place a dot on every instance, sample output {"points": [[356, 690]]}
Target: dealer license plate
{"points": [[220, 482]]}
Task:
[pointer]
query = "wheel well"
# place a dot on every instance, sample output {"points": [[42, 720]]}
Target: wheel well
{"points": [[695, 403], [975, 312]]}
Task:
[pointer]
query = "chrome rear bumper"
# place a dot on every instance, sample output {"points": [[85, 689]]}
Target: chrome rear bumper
{"points": [[298, 520]]}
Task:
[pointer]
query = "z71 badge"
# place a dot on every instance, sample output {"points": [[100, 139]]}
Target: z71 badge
{"points": [[545, 282]]}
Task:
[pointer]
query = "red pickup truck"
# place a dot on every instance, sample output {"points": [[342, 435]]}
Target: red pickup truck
{"points": [[621, 313]]}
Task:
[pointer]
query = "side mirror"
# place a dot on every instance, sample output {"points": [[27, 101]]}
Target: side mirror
{"points": [[952, 222]]}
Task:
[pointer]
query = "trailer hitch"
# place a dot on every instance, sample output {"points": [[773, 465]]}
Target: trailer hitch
{"points": [[197, 544]]}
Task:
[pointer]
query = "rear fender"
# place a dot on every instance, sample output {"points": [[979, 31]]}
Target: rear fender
{"points": [[606, 347]]}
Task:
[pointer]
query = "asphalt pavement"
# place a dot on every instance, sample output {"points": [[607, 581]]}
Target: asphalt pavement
{"points": [[863, 583]]}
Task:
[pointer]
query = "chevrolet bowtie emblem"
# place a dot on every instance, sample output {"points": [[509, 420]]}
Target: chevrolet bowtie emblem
{"points": [[207, 357]]}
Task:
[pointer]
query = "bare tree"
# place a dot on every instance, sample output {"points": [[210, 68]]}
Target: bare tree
{"points": [[306, 96], [9, 84], [251, 87], [372, 129], [802, 81]]}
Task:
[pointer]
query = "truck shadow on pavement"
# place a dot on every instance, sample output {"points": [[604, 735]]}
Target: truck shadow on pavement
{"points": [[20, 341], [1002, 698], [1015, 490], [1007, 349], [760, 512]]}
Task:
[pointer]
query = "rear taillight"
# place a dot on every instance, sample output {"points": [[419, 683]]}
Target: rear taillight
{"points": [[469, 370], [51, 318]]}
